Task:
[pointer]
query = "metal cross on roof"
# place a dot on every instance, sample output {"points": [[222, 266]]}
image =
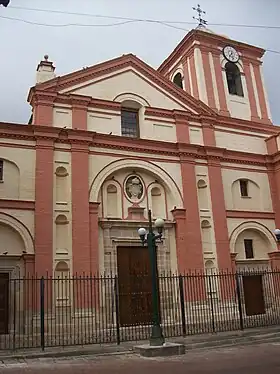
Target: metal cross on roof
{"points": [[202, 22]]}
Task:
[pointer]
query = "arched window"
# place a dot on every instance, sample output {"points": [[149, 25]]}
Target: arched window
{"points": [[234, 79], [178, 80], [130, 119]]}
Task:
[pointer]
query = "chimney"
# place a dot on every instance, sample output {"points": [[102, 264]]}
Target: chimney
{"points": [[45, 70]]}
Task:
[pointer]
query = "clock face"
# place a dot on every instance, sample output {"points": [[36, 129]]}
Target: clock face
{"points": [[231, 54]]}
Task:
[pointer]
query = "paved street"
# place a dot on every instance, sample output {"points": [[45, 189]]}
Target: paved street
{"points": [[257, 359]]}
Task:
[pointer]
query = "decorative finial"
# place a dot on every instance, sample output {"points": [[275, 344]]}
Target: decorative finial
{"points": [[46, 57], [202, 22]]}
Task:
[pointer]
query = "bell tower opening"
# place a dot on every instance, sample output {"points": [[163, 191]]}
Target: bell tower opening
{"points": [[234, 79]]}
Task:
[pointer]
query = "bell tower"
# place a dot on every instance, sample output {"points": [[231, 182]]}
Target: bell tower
{"points": [[223, 73]]}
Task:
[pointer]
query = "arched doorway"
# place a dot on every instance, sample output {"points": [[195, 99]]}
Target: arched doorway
{"points": [[15, 244]]}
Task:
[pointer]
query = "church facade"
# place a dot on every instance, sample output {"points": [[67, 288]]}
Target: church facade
{"points": [[193, 141]]}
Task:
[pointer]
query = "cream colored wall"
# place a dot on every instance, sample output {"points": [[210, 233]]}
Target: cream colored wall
{"points": [[159, 131], [10, 241], [259, 191], [23, 220], [173, 170], [62, 117], [150, 128], [104, 123], [119, 199], [62, 192], [128, 82], [233, 223], [238, 142], [19, 173], [196, 135]]}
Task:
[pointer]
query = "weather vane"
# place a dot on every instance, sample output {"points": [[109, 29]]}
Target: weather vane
{"points": [[200, 12]]}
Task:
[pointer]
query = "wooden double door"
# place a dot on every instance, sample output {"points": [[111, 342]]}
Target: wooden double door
{"points": [[135, 286], [4, 303]]}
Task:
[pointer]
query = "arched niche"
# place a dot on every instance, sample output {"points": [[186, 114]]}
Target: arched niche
{"points": [[61, 219], [62, 284], [61, 184], [206, 236], [211, 279], [10, 182], [209, 266], [11, 242], [158, 173], [157, 200], [112, 199], [21, 231], [205, 224], [246, 194], [61, 171], [262, 238], [62, 234], [202, 194], [62, 267]]}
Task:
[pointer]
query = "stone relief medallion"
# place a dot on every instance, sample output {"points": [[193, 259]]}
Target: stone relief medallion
{"points": [[134, 188]]}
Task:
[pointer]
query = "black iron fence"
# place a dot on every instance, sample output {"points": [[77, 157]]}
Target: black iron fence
{"points": [[45, 312]]}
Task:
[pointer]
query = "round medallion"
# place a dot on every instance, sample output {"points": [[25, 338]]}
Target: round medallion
{"points": [[134, 188], [231, 54]]}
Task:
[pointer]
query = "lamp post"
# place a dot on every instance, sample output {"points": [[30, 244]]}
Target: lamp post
{"points": [[157, 338], [277, 234]]}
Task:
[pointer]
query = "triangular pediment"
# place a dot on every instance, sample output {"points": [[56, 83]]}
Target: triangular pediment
{"points": [[126, 74]]}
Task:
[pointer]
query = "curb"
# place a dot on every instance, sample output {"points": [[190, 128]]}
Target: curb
{"points": [[215, 340], [60, 354]]}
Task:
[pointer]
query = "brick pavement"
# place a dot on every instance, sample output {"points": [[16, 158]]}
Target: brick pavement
{"points": [[236, 360]]}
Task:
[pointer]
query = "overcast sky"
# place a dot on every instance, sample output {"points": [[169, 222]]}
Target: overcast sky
{"points": [[23, 45]]}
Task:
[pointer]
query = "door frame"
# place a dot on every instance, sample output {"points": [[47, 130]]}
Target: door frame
{"points": [[147, 292], [7, 309]]}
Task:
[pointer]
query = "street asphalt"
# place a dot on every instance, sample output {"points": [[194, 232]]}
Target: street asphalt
{"points": [[250, 359]]}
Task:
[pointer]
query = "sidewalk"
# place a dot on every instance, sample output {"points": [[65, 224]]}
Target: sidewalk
{"points": [[223, 339]]}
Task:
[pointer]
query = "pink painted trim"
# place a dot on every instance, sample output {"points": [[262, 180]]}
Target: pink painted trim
{"points": [[208, 132], [80, 210], [220, 85], [260, 90], [250, 89], [208, 80], [79, 118], [186, 76], [219, 214], [17, 204], [271, 145], [44, 207], [194, 77], [249, 214]]}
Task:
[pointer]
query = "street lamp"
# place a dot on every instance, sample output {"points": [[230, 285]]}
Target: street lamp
{"points": [[149, 237], [277, 234]]}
